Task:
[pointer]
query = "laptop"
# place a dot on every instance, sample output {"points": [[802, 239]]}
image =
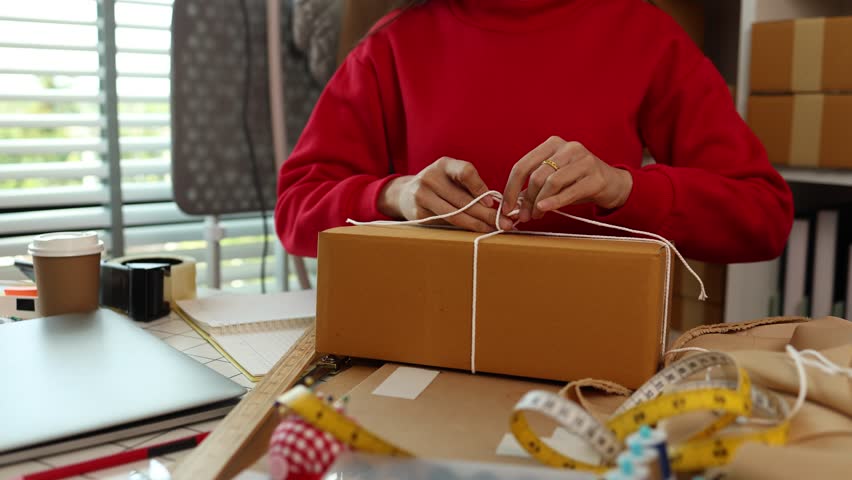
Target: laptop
{"points": [[76, 380]]}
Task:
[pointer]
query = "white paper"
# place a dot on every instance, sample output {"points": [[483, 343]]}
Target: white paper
{"points": [[252, 475], [573, 446], [561, 440], [406, 382], [509, 447], [257, 352], [235, 310]]}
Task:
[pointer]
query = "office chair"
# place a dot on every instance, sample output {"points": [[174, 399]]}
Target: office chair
{"points": [[211, 169]]}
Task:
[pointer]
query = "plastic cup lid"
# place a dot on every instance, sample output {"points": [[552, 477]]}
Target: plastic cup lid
{"points": [[66, 244]]}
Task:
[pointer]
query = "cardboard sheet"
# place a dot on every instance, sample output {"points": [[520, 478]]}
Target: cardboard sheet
{"points": [[458, 416]]}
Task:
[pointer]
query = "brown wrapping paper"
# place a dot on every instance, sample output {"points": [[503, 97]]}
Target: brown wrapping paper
{"points": [[821, 434], [551, 308]]}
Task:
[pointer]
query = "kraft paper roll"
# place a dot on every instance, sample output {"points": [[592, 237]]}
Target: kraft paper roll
{"points": [[180, 284]]}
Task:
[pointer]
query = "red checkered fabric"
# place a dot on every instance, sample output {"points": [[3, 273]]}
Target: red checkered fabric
{"points": [[299, 451]]}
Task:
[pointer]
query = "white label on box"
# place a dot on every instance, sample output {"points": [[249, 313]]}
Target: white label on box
{"points": [[406, 382]]}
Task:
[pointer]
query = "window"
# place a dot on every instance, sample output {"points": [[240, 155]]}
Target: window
{"points": [[55, 130]]}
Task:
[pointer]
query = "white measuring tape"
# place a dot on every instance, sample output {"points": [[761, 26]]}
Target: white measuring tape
{"points": [[670, 393]]}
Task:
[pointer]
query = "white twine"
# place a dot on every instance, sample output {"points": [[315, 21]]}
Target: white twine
{"points": [[800, 360], [493, 193], [821, 363]]}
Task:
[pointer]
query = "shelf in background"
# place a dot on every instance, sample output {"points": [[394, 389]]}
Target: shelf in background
{"points": [[819, 176]]}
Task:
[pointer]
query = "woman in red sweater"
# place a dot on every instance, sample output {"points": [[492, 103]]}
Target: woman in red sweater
{"points": [[549, 101]]}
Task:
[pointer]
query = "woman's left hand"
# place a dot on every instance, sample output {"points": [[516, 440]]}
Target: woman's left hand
{"points": [[560, 174]]}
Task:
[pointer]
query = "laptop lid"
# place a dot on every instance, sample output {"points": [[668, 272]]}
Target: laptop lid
{"points": [[69, 376]]}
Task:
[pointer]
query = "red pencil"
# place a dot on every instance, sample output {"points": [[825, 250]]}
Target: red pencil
{"points": [[117, 459]]}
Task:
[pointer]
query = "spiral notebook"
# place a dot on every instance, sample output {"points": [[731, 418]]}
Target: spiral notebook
{"points": [[252, 331]]}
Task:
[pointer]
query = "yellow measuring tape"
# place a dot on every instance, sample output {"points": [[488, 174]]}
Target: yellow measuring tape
{"points": [[727, 391], [306, 404], [670, 393]]}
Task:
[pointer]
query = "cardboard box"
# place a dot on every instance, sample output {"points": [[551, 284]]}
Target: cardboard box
{"points": [[551, 308], [690, 313], [713, 275], [689, 14], [687, 310], [802, 55], [804, 130]]}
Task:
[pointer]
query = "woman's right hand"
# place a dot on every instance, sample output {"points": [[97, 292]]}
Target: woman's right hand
{"points": [[443, 187]]}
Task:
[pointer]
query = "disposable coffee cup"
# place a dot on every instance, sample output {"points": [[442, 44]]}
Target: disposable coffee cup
{"points": [[68, 271]]}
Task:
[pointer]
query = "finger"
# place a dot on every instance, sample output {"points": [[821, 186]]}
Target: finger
{"points": [[460, 198], [570, 155], [433, 202], [578, 192], [465, 174], [524, 167], [537, 180], [558, 181]]}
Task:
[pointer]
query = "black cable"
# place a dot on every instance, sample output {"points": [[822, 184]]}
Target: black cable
{"points": [[255, 169]]}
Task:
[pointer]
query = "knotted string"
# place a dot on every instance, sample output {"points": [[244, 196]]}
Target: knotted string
{"points": [[499, 230]]}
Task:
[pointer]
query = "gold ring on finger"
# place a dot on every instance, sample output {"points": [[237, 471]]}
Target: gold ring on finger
{"points": [[550, 163]]}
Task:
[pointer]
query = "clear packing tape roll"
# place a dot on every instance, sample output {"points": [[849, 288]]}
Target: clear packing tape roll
{"points": [[178, 283]]}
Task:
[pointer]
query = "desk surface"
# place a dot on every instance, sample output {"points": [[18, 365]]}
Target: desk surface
{"points": [[175, 332]]}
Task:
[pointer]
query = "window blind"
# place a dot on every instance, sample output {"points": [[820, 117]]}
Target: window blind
{"points": [[54, 140]]}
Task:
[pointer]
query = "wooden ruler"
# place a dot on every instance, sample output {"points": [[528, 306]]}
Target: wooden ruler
{"points": [[243, 435]]}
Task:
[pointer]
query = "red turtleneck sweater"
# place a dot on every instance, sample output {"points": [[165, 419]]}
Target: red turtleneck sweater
{"points": [[488, 80]]}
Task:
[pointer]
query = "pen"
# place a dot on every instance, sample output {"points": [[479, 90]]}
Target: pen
{"points": [[117, 459]]}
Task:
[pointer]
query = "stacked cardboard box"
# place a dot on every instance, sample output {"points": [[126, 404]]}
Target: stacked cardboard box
{"points": [[687, 310], [801, 85], [690, 14]]}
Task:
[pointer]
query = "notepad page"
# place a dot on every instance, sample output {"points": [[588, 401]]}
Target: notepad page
{"points": [[231, 312], [258, 351]]}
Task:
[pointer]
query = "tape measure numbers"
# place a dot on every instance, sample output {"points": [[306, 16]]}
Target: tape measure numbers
{"points": [[706, 451], [569, 416], [670, 393], [303, 402]]}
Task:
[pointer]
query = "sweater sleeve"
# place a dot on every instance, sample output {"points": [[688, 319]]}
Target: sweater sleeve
{"points": [[340, 164], [713, 191]]}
